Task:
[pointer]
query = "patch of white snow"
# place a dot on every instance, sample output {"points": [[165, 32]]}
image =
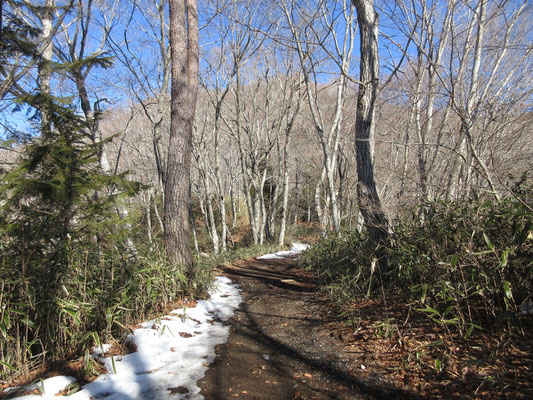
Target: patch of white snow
{"points": [[48, 387], [173, 353], [296, 249], [99, 350]]}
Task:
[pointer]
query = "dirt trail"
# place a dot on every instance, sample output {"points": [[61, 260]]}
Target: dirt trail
{"points": [[280, 346]]}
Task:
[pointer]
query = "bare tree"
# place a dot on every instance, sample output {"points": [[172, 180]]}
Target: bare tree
{"points": [[466, 54], [216, 83], [483, 80], [247, 120], [202, 150], [144, 51], [291, 86], [313, 45], [425, 26]]}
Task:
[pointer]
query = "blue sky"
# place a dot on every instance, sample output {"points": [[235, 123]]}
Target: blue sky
{"points": [[111, 87]]}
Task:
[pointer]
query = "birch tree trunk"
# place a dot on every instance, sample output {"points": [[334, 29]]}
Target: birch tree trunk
{"points": [[45, 67], [285, 169], [212, 225], [147, 206], [233, 205], [285, 199], [246, 185]]}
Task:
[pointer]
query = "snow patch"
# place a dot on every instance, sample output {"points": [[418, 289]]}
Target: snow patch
{"points": [[296, 249], [99, 350], [173, 353], [48, 387]]}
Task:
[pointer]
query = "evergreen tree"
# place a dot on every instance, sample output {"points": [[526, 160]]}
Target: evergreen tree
{"points": [[51, 210], [18, 47]]}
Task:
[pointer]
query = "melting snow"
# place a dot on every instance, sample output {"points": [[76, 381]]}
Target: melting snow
{"points": [[296, 249], [173, 353]]}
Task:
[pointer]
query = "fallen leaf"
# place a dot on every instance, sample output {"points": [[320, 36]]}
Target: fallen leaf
{"points": [[178, 389]]}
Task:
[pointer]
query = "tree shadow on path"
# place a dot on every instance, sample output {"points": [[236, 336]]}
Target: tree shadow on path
{"points": [[279, 347]]}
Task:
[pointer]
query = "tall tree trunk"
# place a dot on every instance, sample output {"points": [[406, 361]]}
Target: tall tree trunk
{"points": [[147, 205], [220, 195], [369, 202], [285, 180], [245, 170], [184, 90], [204, 212], [193, 226], [45, 65], [221, 199], [156, 212], [261, 214], [156, 143], [318, 203], [233, 206], [212, 224]]}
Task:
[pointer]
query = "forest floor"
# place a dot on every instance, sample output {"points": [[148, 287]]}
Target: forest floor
{"points": [[283, 343], [287, 343]]}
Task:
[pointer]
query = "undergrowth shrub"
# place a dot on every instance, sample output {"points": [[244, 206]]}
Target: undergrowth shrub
{"points": [[343, 265], [467, 264], [68, 276], [100, 295]]}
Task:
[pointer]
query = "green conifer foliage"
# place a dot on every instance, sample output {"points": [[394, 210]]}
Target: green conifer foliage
{"points": [[56, 208]]}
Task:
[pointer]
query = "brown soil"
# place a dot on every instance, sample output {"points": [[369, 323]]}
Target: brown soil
{"points": [[282, 344], [286, 343]]}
